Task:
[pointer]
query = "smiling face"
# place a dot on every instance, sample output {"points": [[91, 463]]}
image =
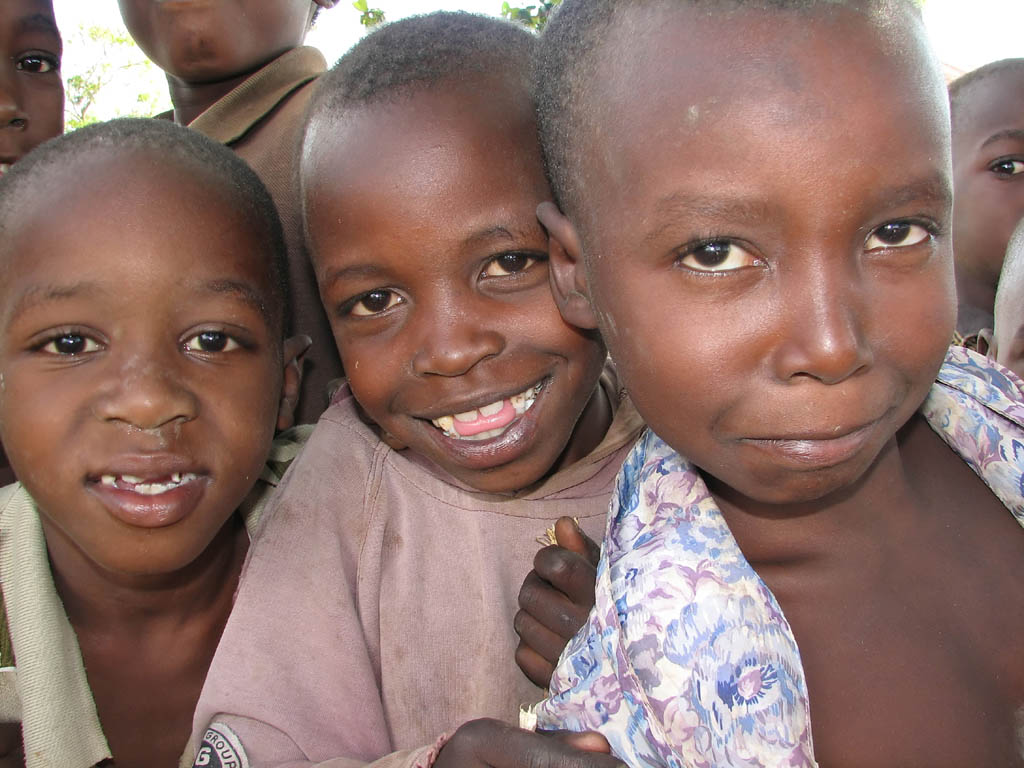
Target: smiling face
{"points": [[988, 172], [433, 270], [202, 41], [31, 91], [141, 376], [769, 261]]}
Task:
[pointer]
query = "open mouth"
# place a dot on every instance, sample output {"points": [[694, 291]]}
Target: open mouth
{"points": [[148, 486], [490, 420]]}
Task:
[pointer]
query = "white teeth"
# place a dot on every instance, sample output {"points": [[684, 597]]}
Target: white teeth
{"points": [[135, 484], [492, 409], [521, 403]]}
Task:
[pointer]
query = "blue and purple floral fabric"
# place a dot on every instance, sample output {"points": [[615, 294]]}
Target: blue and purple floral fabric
{"points": [[687, 659]]}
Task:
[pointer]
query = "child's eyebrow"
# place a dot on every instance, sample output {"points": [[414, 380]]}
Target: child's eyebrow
{"points": [[36, 22], [677, 204], [1010, 133], [935, 188], [353, 272], [35, 295]]}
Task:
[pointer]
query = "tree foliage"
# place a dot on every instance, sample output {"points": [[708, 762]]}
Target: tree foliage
{"points": [[109, 59], [533, 16], [368, 17]]}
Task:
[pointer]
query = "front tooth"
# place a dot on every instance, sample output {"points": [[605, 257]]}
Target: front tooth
{"points": [[445, 423], [467, 415], [131, 479], [493, 408], [108, 480], [176, 477], [518, 402]]}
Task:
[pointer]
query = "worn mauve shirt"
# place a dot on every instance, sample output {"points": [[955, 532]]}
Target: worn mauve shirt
{"points": [[375, 612]]}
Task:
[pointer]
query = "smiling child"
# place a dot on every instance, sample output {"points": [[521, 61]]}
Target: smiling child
{"points": [[238, 72], [814, 531], [142, 375], [31, 92], [476, 418], [988, 180]]}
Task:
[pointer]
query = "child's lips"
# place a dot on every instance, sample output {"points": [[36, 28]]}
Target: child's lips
{"points": [[488, 421], [149, 500]]}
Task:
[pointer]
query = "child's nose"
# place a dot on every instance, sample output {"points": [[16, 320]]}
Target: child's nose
{"points": [[148, 395], [822, 328], [11, 115], [455, 344]]}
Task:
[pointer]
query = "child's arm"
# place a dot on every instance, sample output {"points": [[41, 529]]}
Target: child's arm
{"points": [[555, 599]]}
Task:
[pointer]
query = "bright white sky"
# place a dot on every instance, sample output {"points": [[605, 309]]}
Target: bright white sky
{"points": [[965, 33]]}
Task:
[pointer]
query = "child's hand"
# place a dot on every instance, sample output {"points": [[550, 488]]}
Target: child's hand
{"points": [[554, 600], [498, 745]]}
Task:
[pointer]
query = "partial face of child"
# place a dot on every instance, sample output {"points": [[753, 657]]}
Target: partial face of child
{"points": [[766, 239], [142, 375], [199, 41], [988, 171], [1006, 343], [433, 269], [31, 91]]}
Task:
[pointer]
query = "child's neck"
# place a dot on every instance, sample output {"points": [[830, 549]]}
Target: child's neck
{"points": [[192, 99], [879, 509], [589, 431], [976, 300], [100, 601]]}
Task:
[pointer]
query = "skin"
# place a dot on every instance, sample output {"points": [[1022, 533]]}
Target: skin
{"points": [[439, 301], [31, 90], [438, 298], [1005, 343], [207, 48], [141, 350], [778, 307], [988, 178]]}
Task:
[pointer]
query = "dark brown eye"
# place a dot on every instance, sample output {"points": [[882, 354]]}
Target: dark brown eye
{"points": [[1007, 167], [509, 264], [896, 234], [717, 256], [375, 302], [69, 344]]}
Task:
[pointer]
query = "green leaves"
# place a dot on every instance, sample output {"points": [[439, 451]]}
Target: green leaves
{"points": [[533, 16], [368, 17]]}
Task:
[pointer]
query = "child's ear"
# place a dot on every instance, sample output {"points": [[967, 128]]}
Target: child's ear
{"points": [[568, 276], [986, 344], [295, 349]]}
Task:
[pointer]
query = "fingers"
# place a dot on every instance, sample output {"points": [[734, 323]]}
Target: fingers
{"points": [[537, 669], [568, 572], [491, 743], [551, 607], [538, 637], [570, 536]]}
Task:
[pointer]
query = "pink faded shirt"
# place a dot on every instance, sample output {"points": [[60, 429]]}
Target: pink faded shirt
{"points": [[375, 612]]}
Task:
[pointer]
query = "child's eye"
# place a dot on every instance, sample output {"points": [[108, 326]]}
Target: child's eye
{"points": [[70, 344], [896, 234], [717, 256], [37, 63], [1007, 167], [375, 302], [211, 341], [509, 264]]}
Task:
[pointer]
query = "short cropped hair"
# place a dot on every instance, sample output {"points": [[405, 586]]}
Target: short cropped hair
{"points": [[171, 142], [418, 53], [962, 86], [571, 50]]}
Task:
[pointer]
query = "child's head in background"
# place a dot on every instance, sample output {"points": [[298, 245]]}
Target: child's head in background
{"points": [[31, 90], [211, 43], [988, 180], [1005, 342], [421, 176], [142, 363], [759, 230]]}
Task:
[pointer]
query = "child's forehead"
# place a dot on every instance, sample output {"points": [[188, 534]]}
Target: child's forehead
{"points": [[993, 103]]}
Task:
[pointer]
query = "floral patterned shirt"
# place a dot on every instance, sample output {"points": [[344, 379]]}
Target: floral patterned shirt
{"points": [[687, 659]]}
